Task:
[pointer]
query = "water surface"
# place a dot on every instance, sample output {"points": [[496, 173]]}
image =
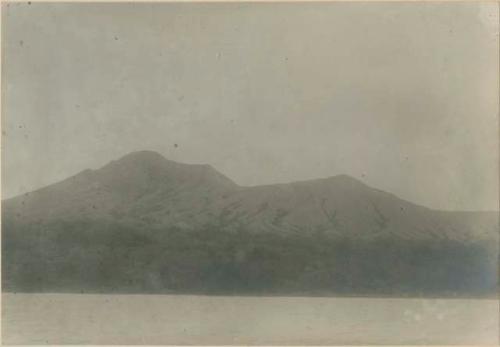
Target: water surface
{"points": [[218, 320]]}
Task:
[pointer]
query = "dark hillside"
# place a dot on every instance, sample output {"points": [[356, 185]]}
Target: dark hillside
{"points": [[144, 224]]}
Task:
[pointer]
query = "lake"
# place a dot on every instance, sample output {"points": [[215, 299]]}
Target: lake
{"points": [[183, 319]]}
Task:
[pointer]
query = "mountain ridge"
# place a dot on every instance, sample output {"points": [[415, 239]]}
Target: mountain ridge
{"points": [[159, 157], [146, 185], [145, 224]]}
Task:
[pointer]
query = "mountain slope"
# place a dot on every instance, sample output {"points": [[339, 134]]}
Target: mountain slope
{"points": [[145, 224], [126, 187], [145, 186], [345, 206]]}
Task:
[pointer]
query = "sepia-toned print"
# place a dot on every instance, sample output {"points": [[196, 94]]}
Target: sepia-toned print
{"points": [[288, 173]]}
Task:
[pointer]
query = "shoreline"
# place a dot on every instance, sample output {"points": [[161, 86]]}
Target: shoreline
{"points": [[267, 295]]}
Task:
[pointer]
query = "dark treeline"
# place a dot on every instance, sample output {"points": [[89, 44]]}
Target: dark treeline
{"points": [[122, 258]]}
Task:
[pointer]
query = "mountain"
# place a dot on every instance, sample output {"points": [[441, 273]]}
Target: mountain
{"points": [[133, 186], [236, 239], [147, 187]]}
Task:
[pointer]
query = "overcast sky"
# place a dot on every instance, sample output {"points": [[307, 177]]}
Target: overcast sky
{"points": [[401, 96]]}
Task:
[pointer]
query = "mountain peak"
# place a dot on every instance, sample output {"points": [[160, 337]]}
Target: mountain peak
{"points": [[146, 168], [145, 184], [137, 163], [346, 178], [143, 157], [342, 180]]}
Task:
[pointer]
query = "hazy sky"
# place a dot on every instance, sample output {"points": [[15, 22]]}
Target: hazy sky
{"points": [[403, 96]]}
